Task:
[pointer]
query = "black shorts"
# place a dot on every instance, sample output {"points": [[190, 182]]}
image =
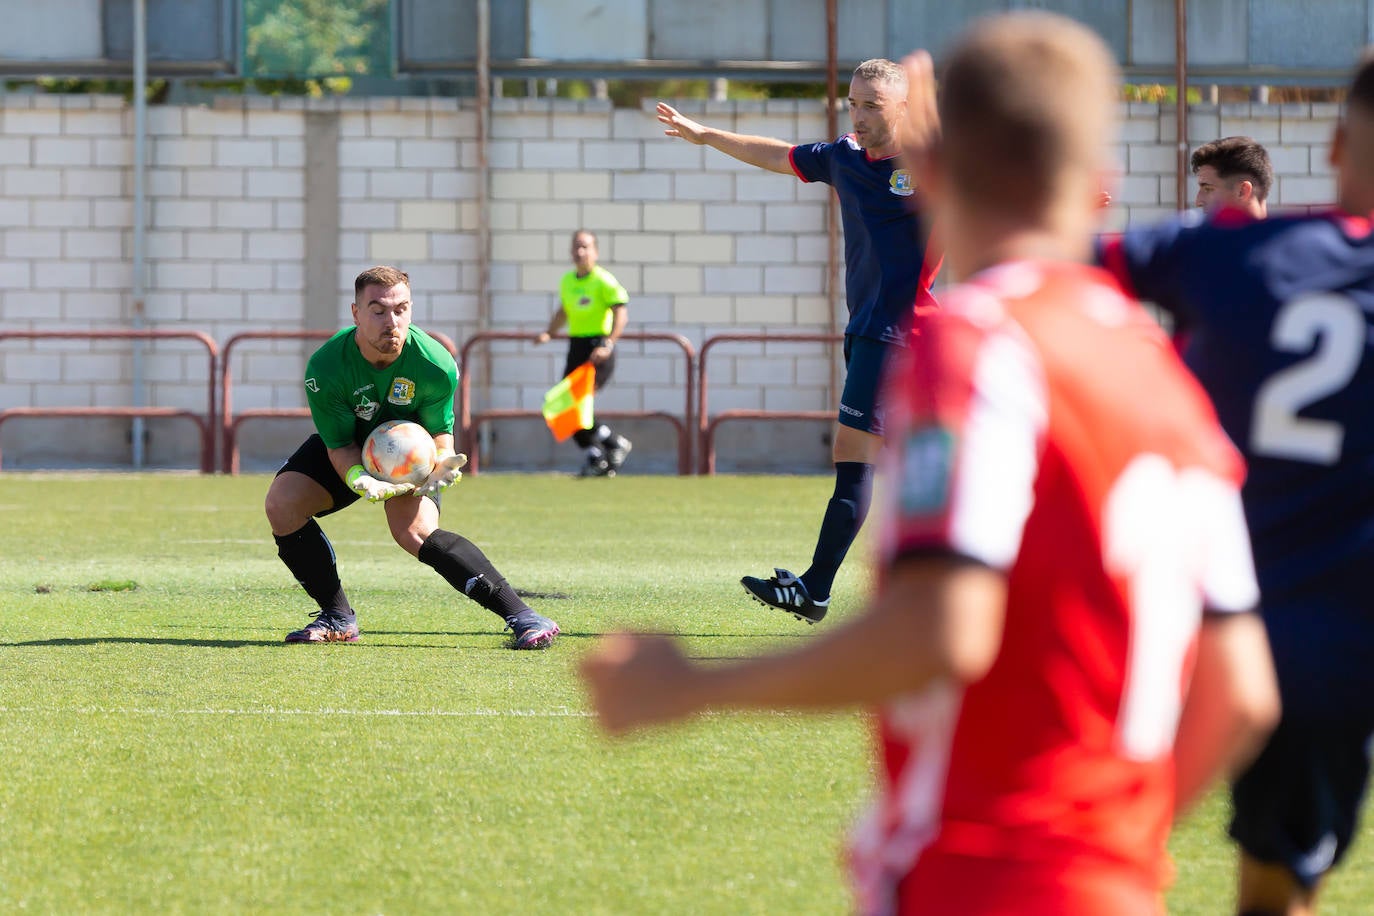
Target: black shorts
{"points": [[312, 460], [1298, 804], [580, 350]]}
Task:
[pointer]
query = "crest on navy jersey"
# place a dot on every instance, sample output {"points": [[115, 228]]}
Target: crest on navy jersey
{"points": [[901, 184]]}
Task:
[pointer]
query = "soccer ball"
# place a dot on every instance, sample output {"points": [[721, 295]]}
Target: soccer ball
{"points": [[399, 451]]}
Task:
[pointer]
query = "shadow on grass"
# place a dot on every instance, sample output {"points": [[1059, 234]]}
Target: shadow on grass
{"points": [[585, 634], [365, 640], [230, 643], [140, 640]]}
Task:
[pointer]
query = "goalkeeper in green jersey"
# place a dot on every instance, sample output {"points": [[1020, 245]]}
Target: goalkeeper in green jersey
{"points": [[383, 368]]}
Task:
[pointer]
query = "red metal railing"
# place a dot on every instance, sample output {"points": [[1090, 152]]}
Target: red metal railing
{"points": [[206, 422], [230, 459], [706, 448], [469, 423]]}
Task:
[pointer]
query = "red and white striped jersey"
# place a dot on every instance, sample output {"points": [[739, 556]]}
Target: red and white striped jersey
{"points": [[1044, 426]]}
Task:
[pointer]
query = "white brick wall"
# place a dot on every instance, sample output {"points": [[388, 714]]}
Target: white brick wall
{"points": [[704, 245]]}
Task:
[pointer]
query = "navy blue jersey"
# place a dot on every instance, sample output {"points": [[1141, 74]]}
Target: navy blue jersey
{"points": [[888, 268], [1280, 318]]}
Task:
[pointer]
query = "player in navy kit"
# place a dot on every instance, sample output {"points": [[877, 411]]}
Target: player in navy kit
{"points": [[1281, 313], [889, 267], [1233, 172]]}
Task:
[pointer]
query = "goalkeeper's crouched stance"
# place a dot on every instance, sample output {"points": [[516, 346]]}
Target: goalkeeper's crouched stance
{"points": [[381, 369]]}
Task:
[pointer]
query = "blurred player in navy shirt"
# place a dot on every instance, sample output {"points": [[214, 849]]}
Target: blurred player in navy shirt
{"points": [[889, 267], [1280, 314]]}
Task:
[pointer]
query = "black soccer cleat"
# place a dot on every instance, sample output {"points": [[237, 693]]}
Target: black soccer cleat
{"points": [[328, 626], [531, 630], [786, 592]]}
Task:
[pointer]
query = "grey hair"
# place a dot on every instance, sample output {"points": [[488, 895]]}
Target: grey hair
{"points": [[882, 70]]}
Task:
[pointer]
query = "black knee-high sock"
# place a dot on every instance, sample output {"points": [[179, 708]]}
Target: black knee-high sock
{"points": [[467, 569], [310, 557], [844, 516]]}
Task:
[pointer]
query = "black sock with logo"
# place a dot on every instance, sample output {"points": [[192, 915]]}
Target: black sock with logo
{"points": [[467, 569], [310, 557]]}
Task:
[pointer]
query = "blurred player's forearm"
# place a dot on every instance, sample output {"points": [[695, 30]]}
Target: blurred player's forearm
{"points": [[934, 618], [1232, 705]]}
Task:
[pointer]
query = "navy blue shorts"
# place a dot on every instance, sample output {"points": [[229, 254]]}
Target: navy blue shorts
{"points": [[864, 360], [1298, 805], [312, 460]]}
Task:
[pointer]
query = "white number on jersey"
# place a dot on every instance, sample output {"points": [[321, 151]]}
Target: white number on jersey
{"points": [[1336, 325], [1152, 525]]}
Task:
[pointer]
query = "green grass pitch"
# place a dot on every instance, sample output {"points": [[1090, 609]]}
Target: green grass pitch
{"points": [[161, 750]]}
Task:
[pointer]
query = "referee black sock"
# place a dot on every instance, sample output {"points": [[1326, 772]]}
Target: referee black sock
{"points": [[467, 569], [310, 557]]}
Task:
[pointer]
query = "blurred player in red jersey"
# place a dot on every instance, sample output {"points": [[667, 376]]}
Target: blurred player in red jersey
{"points": [[1062, 646]]}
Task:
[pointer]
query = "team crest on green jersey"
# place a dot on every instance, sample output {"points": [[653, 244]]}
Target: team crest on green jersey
{"points": [[901, 184], [402, 392]]}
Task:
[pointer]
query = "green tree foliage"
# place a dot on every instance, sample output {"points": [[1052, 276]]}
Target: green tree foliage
{"points": [[311, 40]]}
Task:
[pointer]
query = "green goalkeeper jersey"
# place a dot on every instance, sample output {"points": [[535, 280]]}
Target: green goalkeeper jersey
{"points": [[349, 398], [588, 301]]}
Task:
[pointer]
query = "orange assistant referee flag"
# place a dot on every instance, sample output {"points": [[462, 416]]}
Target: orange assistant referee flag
{"points": [[568, 405]]}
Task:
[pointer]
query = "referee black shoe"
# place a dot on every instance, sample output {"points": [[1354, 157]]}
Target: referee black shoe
{"points": [[617, 450]]}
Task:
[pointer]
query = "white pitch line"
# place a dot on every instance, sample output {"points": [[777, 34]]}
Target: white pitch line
{"points": [[270, 711]]}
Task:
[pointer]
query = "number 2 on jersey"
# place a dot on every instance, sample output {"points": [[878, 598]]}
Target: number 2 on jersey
{"points": [[1335, 324]]}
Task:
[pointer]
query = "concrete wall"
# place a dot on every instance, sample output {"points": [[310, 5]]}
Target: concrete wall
{"points": [[703, 244]]}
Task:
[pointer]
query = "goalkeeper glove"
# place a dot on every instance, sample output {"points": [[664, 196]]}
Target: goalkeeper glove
{"points": [[361, 482], [447, 471]]}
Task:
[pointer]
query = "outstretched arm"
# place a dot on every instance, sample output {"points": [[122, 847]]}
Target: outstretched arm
{"points": [[764, 152], [936, 617]]}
